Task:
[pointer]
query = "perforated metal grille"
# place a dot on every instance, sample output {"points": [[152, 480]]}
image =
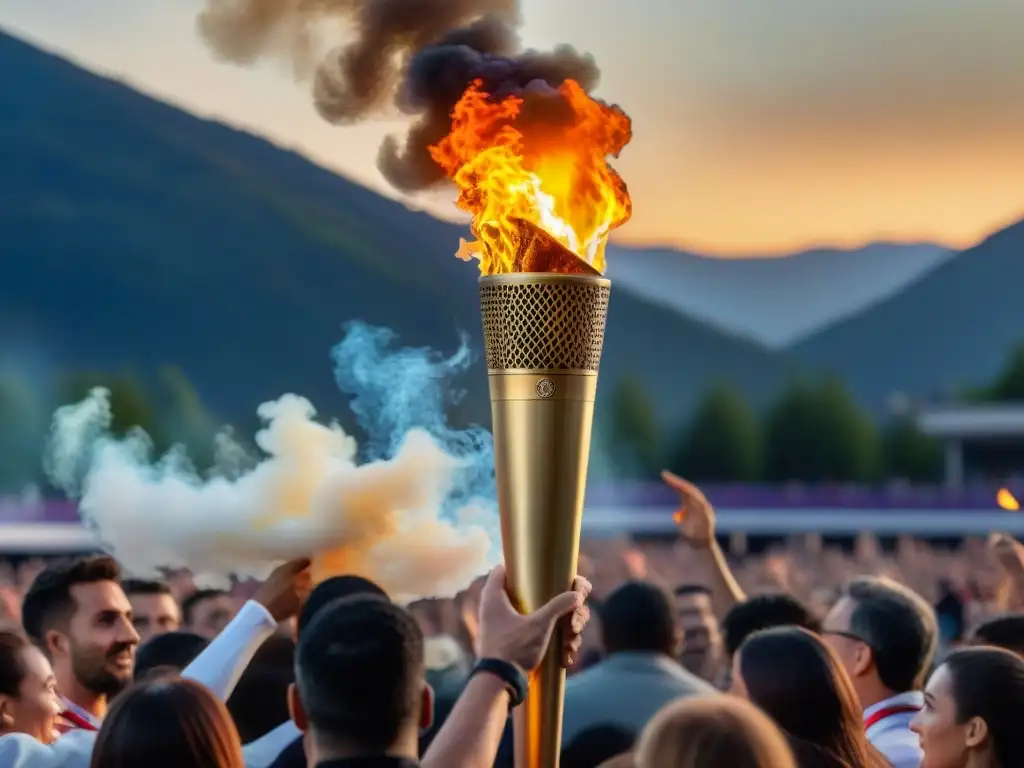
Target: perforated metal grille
{"points": [[547, 325]]}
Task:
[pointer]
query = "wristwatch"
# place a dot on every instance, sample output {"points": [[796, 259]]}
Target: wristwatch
{"points": [[509, 674]]}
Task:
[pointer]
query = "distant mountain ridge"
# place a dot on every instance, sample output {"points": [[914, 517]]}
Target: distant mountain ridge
{"points": [[138, 234], [135, 234], [951, 329], [776, 301]]}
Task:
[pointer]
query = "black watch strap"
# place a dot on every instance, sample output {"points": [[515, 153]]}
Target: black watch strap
{"points": [[509, 674]]}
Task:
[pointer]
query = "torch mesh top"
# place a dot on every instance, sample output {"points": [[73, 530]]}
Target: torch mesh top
{"points": [[548, 325]]}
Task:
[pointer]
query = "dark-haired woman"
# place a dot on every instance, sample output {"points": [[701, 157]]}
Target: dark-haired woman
{"points": [[972, 711], [799, 682], [167, 723], [29, 702]]}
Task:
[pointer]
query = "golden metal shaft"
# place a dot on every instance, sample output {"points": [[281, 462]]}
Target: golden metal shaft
{"points": [[543, 336]]}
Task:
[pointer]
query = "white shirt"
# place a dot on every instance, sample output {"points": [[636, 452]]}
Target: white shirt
{"points": [[265, 750], [218, 667], [891, 735]]}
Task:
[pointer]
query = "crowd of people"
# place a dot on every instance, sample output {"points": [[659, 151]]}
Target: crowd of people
{"points": [[684, 654]]}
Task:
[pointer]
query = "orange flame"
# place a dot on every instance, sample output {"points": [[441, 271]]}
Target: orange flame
{"points": [[1007, 500], [554, 176]]}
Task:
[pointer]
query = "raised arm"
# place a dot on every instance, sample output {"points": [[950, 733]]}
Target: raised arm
{"points": [[224, 660], [696, 519], [470, 737]]}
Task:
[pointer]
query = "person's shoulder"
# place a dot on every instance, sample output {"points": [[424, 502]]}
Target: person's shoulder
{"points": [[595, 675], [18, 743], [690, 684], [899, 746], [72, 750]]}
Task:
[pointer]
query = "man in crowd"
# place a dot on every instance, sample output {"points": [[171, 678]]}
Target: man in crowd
{"points": [[640, 674], [79, 616], [283, 747], [702, 641], [1006, 631], [361, 687], [218, 667], [756, 613], [766, 611], [207, 611], [361, 694], [168, 654], [154, 609], [886, 636]]}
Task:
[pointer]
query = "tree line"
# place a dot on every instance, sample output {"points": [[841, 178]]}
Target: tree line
{"points": [[813, 432], [163, 403]]}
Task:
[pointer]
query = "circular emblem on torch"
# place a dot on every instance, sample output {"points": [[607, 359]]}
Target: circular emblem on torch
{"points": [[545, 388]]}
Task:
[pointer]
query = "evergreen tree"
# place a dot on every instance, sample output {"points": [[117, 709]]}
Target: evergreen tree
{"points": [[819, 434], [847, 439], [723, 441], [909, 454], [1009, 384], [22, 427], [633, 441], [131, 404]]}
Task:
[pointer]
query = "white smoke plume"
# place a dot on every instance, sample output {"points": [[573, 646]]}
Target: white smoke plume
{"points": [[414, 512]]}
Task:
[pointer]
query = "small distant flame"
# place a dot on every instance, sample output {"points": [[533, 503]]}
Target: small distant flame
{"points": [[554, 175], [1007, 500], [678, 516]]}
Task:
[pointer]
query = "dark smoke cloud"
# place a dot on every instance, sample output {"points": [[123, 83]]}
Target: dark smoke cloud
{"points": [[418, 56]]}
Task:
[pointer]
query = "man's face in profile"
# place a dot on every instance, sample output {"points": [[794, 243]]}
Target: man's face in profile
{"points": [[155, 615]]}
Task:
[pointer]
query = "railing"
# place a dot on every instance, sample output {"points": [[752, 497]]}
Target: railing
{"points": [[765, 499], [54, 526]]}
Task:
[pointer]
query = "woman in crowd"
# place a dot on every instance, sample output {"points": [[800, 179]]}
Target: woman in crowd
{"points": [[972, 711], [720, 731], [167, 723], [28, 689], [798, 681]]}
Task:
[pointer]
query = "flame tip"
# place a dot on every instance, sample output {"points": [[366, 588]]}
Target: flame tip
{"points": [[520, 158]]}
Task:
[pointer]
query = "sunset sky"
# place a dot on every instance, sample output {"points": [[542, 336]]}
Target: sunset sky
{"points": [[760, 125]]}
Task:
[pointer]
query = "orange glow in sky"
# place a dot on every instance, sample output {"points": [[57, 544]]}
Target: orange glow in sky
{"points": [[760, 127]]}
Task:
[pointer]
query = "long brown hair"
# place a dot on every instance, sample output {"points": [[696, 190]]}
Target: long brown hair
{"points": [[167, 723], [721, 731], [800, 683]]}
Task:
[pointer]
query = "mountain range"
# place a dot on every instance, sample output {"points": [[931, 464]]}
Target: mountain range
{"points": [[951, 329], [774, 300], [135, 234]]}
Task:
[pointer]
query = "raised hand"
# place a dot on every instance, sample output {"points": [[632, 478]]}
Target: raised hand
{"points": [[695, 516], [1009, 553], [286, 589]]}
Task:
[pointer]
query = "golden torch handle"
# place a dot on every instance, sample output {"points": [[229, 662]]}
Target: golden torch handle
{"points": [[543, 335]]}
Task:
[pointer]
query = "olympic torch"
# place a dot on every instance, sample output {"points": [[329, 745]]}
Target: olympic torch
{"points": [[543, 334], [531, 167]]}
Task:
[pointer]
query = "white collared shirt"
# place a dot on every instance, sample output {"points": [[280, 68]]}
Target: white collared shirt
{"points": [[891, 735], [88, 717]]}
